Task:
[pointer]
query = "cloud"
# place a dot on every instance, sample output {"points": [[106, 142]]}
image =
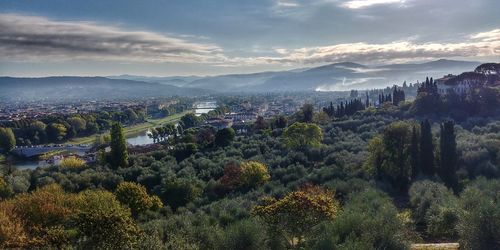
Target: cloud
{"points": [[357, 4], [345, 84], [489, 36], [39, 39], [287, 3], [485, 44], [34, 38]]}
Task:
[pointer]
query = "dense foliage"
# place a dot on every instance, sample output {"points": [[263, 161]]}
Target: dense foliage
{"points": [[379, 178]]}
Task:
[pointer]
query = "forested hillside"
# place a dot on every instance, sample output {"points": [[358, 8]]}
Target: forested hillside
{"points": [[358, 177]]}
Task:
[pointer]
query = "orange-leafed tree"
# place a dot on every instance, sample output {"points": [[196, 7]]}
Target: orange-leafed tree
{"points": [[293, 216]]}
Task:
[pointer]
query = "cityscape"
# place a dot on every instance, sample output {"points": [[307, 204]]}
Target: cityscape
{"points": [[267, 124]]}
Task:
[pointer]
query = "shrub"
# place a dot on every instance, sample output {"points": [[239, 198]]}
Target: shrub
{"points": [[72, 162], [136, 197], [369, 220], [244, 235], [479, 220]]}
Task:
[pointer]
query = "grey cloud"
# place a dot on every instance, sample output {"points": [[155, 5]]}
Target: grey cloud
{"points": [[31, 38]]}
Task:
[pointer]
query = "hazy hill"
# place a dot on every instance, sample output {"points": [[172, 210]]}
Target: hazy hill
{"points": [[84, 88], [336, 76]]}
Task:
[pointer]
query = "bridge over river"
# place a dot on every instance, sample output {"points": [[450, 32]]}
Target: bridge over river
{"points": [[39, 150]]}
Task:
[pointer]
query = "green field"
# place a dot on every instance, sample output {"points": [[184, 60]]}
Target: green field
{"points": [[131, 130]]}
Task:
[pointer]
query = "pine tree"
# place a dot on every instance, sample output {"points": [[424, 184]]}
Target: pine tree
{"points": [[119, 155], [426, 149], [414, 154], [448, 155]]}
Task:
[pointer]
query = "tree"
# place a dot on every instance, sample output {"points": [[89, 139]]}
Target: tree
{"points": [[253, 174], [231, 180], [135, 197], [119, 154], [224, 137], [38, 132], [246, 175], [298, 212], [414, 154], [205, 136], [7, 139], [104, 223], [56, 131], [77, 123], [396, 140], [45, 215], [131, 115], [178, 192], [184, 150], [307, 112], [190, 120], [302, 135], [448, 155], [260, 123], [426, 149], [390, 155], [281, 122], [5, 190]]}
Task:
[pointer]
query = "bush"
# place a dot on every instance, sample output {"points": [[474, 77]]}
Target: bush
{"points": [[479, 220], [369, 220], [178, 192], [245, 235], [136, 197], [435, 208], [72, 162]]}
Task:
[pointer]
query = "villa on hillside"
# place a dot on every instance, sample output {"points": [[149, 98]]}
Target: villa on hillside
{"points": [[463, 83]]}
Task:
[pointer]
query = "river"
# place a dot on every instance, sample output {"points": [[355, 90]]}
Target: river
{"points": [[204, 107], [138, 139], [135, 140]]}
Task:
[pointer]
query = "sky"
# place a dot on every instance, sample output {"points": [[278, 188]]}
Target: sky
{"points": [[212, 37]]}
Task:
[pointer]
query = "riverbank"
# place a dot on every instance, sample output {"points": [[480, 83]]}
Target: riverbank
{"points": [[135, 129]]}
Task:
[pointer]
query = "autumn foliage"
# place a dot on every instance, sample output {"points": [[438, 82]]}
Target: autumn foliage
{"points": [[298, 212], [136, 197], [246, 175], [51, 218]]}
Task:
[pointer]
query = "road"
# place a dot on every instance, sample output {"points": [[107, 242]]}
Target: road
{"points": [[39, 150]]}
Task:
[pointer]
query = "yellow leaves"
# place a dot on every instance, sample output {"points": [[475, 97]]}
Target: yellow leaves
{"points": [[12, 233], [72, 162], [246, 175], [50, 217], [136, 197], [296, 213], [254, 173], [38, 218]]}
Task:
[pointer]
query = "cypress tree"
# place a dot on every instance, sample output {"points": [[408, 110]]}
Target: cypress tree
{"points": [[414, 154], [119, 155], [448, 155], [426, 149]]}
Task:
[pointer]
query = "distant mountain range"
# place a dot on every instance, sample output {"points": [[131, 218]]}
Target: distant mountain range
{"points": [[71, 88], [331, 77]]}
